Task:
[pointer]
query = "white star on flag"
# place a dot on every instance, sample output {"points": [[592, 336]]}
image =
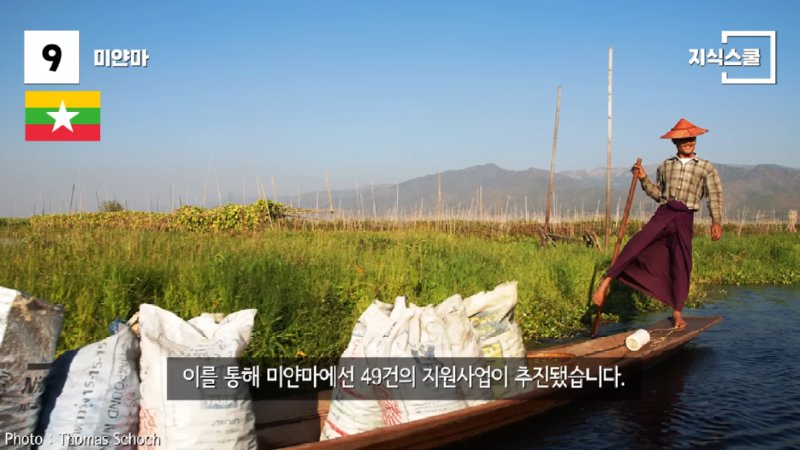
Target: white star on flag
{"points": [[62, 117]]}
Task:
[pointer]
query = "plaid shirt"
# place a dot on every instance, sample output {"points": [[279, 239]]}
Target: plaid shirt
{"points": [[688, 183]]}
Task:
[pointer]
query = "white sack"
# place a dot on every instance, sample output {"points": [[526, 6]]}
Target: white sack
{"points": [[422, 337], [196, 425], [355, 410], [492, 315], [91, 397]]}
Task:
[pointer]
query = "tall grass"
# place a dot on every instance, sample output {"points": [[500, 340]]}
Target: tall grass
{"points": [[310, 285]]}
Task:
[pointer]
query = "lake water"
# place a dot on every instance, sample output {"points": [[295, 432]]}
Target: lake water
{"points": [[737, 385]]}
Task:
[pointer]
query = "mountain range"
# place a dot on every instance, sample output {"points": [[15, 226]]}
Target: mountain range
{"points": [[762, 191]]}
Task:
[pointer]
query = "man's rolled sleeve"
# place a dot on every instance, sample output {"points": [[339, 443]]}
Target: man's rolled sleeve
{"points": [[654, 190], [713, 188]]}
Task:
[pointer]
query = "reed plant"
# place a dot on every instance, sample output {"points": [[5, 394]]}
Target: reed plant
{"points": [[310, 281]]}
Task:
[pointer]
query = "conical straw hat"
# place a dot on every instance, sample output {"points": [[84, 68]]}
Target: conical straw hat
{"points": [[684, 129]]}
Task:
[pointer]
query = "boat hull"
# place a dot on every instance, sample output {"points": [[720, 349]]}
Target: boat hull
{"points": [[297, 423]]}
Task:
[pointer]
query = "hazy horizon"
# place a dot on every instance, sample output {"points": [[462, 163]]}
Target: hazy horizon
{"points": [[214, 195]]}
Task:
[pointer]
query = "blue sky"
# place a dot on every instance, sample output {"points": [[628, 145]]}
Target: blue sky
{"points": [[383, 91]]}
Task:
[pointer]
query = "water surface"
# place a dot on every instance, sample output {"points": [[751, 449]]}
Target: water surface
{"points": [[737, 385]]}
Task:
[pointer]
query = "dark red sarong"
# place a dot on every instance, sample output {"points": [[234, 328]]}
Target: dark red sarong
{"points": [[657, 260]]}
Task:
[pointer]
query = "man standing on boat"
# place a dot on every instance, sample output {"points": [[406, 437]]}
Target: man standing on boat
{"points": [[658, 260]]}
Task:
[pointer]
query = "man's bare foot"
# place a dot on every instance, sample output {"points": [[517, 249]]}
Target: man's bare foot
{"points": [[600, 293], [677, 320]]}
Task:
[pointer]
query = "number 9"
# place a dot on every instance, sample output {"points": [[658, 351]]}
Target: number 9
{"points": [[55, 58]]}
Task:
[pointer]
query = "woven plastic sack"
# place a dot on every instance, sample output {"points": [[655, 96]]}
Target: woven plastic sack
{"points": [[196, 425], [492, 315], [91, 397], [424, 339], [355, 409], [29, 331]]}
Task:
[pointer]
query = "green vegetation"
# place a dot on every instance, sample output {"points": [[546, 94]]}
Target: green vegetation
{"points": [[13, 221], [310, 281], [252, 217], [749, 259], [111, 206]]}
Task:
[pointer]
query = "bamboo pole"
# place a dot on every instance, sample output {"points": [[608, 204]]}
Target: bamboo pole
{"points": [[552, 172], [439, 201], [205, 186], [617, 246], [358, 209], [70, 199], [330, 195], [480, 202], [608, 156], [526, 208], [374, 209]]}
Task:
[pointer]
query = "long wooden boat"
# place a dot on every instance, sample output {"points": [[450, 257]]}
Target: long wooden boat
{"points": [[296, 424]]}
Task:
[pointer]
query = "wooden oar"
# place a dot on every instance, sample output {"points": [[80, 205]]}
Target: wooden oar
{"points": [[620, 235]]}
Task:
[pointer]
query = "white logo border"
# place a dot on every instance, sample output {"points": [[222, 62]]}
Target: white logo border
{"points": [[773, 45]]}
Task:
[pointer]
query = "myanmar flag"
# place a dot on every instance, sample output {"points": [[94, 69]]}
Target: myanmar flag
{"points": [[62, 115]]}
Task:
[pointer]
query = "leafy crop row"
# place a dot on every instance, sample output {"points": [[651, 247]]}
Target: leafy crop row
{"points": [[253, 217]]}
